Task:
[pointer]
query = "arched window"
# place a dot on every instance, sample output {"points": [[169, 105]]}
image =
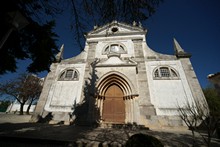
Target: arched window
{"points": [[156, 73], [114, 48], [173, 73], [69, 75], [165, 72]]}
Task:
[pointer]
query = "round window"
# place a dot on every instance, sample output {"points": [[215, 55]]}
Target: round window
{"points": [[114, 29]]}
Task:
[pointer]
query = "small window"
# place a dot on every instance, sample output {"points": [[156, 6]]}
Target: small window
{"points": [[156, 73], [165, 73], [106, 49], [114, 48], [69, 75], [114, 29], [75, 77], [173, 73], [62, 75]]}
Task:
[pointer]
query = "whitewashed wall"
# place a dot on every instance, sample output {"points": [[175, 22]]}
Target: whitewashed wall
{"points": [[168, 95], [64, 94], [128, 46], [14, 107]]}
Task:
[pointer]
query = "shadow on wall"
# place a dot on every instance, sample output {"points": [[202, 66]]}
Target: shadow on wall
{"points": [[87, 113], [45, 119]]}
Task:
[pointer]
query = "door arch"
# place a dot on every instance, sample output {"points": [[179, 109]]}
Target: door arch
{"points": [[114, 105]]}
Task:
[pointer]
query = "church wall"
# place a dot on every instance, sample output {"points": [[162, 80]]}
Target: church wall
{"points": [[127, 44], [120, 29], [168, 94], [128, 72], [64, 94], [126, 41], [149, 100]]}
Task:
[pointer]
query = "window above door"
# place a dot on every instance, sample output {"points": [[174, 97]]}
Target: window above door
{"points": [[114, 48]]}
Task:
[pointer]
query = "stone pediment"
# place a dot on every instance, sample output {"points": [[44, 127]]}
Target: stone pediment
{"points": [[115, 28], [115, 60]]}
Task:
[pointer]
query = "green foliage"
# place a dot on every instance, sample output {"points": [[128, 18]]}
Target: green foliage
{"points": [[213, 100], [36, 41], [143, 140], [4, 105], [88, 13]]}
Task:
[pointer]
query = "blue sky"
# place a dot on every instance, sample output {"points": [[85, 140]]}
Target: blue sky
{"points": [[196, 26], [194, 23]]}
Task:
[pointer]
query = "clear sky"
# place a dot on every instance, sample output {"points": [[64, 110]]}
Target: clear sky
{"points": [[196, 26], [194, 23]]}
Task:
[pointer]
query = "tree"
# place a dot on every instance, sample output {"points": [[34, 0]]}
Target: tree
{"points": [[201, 116], [37, 41], [213, 100], [193, 114], [26, 87], [89, 13], [35, 84], [4, 105]]}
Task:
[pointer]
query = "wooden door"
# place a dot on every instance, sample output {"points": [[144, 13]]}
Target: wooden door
{"points": [[113, 105]]}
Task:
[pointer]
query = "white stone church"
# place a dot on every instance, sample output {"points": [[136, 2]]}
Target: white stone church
{"points": [[118, 79]]}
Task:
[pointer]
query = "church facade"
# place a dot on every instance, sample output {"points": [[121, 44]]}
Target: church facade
{"points": [[118, 79]]}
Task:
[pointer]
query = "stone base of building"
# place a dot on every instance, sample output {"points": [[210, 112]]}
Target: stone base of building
{"points": [[152, 121], [164, 121]]}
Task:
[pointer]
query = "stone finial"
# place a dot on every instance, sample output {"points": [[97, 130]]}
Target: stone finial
{"points": [[134, 23], [179, 52], [59, 56], [177, 46], [140, 25], [95, 27]]}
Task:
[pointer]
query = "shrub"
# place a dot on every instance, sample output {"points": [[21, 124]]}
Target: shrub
{"points": [[143, 140]]}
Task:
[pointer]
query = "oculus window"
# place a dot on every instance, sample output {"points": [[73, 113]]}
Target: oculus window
{"points": [[69, 75], [165, 72]]}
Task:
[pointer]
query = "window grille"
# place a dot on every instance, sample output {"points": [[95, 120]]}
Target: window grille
{"points": [[69, 75], [114, 48], [165, 73]]}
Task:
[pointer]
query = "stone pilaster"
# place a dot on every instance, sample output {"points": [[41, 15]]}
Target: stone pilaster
{"points": [[192, 80], [89, 85], [38, 112], [146, 108]]}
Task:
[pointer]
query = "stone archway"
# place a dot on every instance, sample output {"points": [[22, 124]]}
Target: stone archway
{"points": [[114, 105], [115, 98]]}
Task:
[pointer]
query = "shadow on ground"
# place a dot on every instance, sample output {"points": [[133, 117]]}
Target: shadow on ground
{"points": [[41, 134]]}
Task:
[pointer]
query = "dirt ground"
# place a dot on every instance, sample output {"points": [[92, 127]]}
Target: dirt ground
{"points": [[17, 130]]}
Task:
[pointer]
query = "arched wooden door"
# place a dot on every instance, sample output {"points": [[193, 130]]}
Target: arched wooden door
{"points": [[114, 105]]}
